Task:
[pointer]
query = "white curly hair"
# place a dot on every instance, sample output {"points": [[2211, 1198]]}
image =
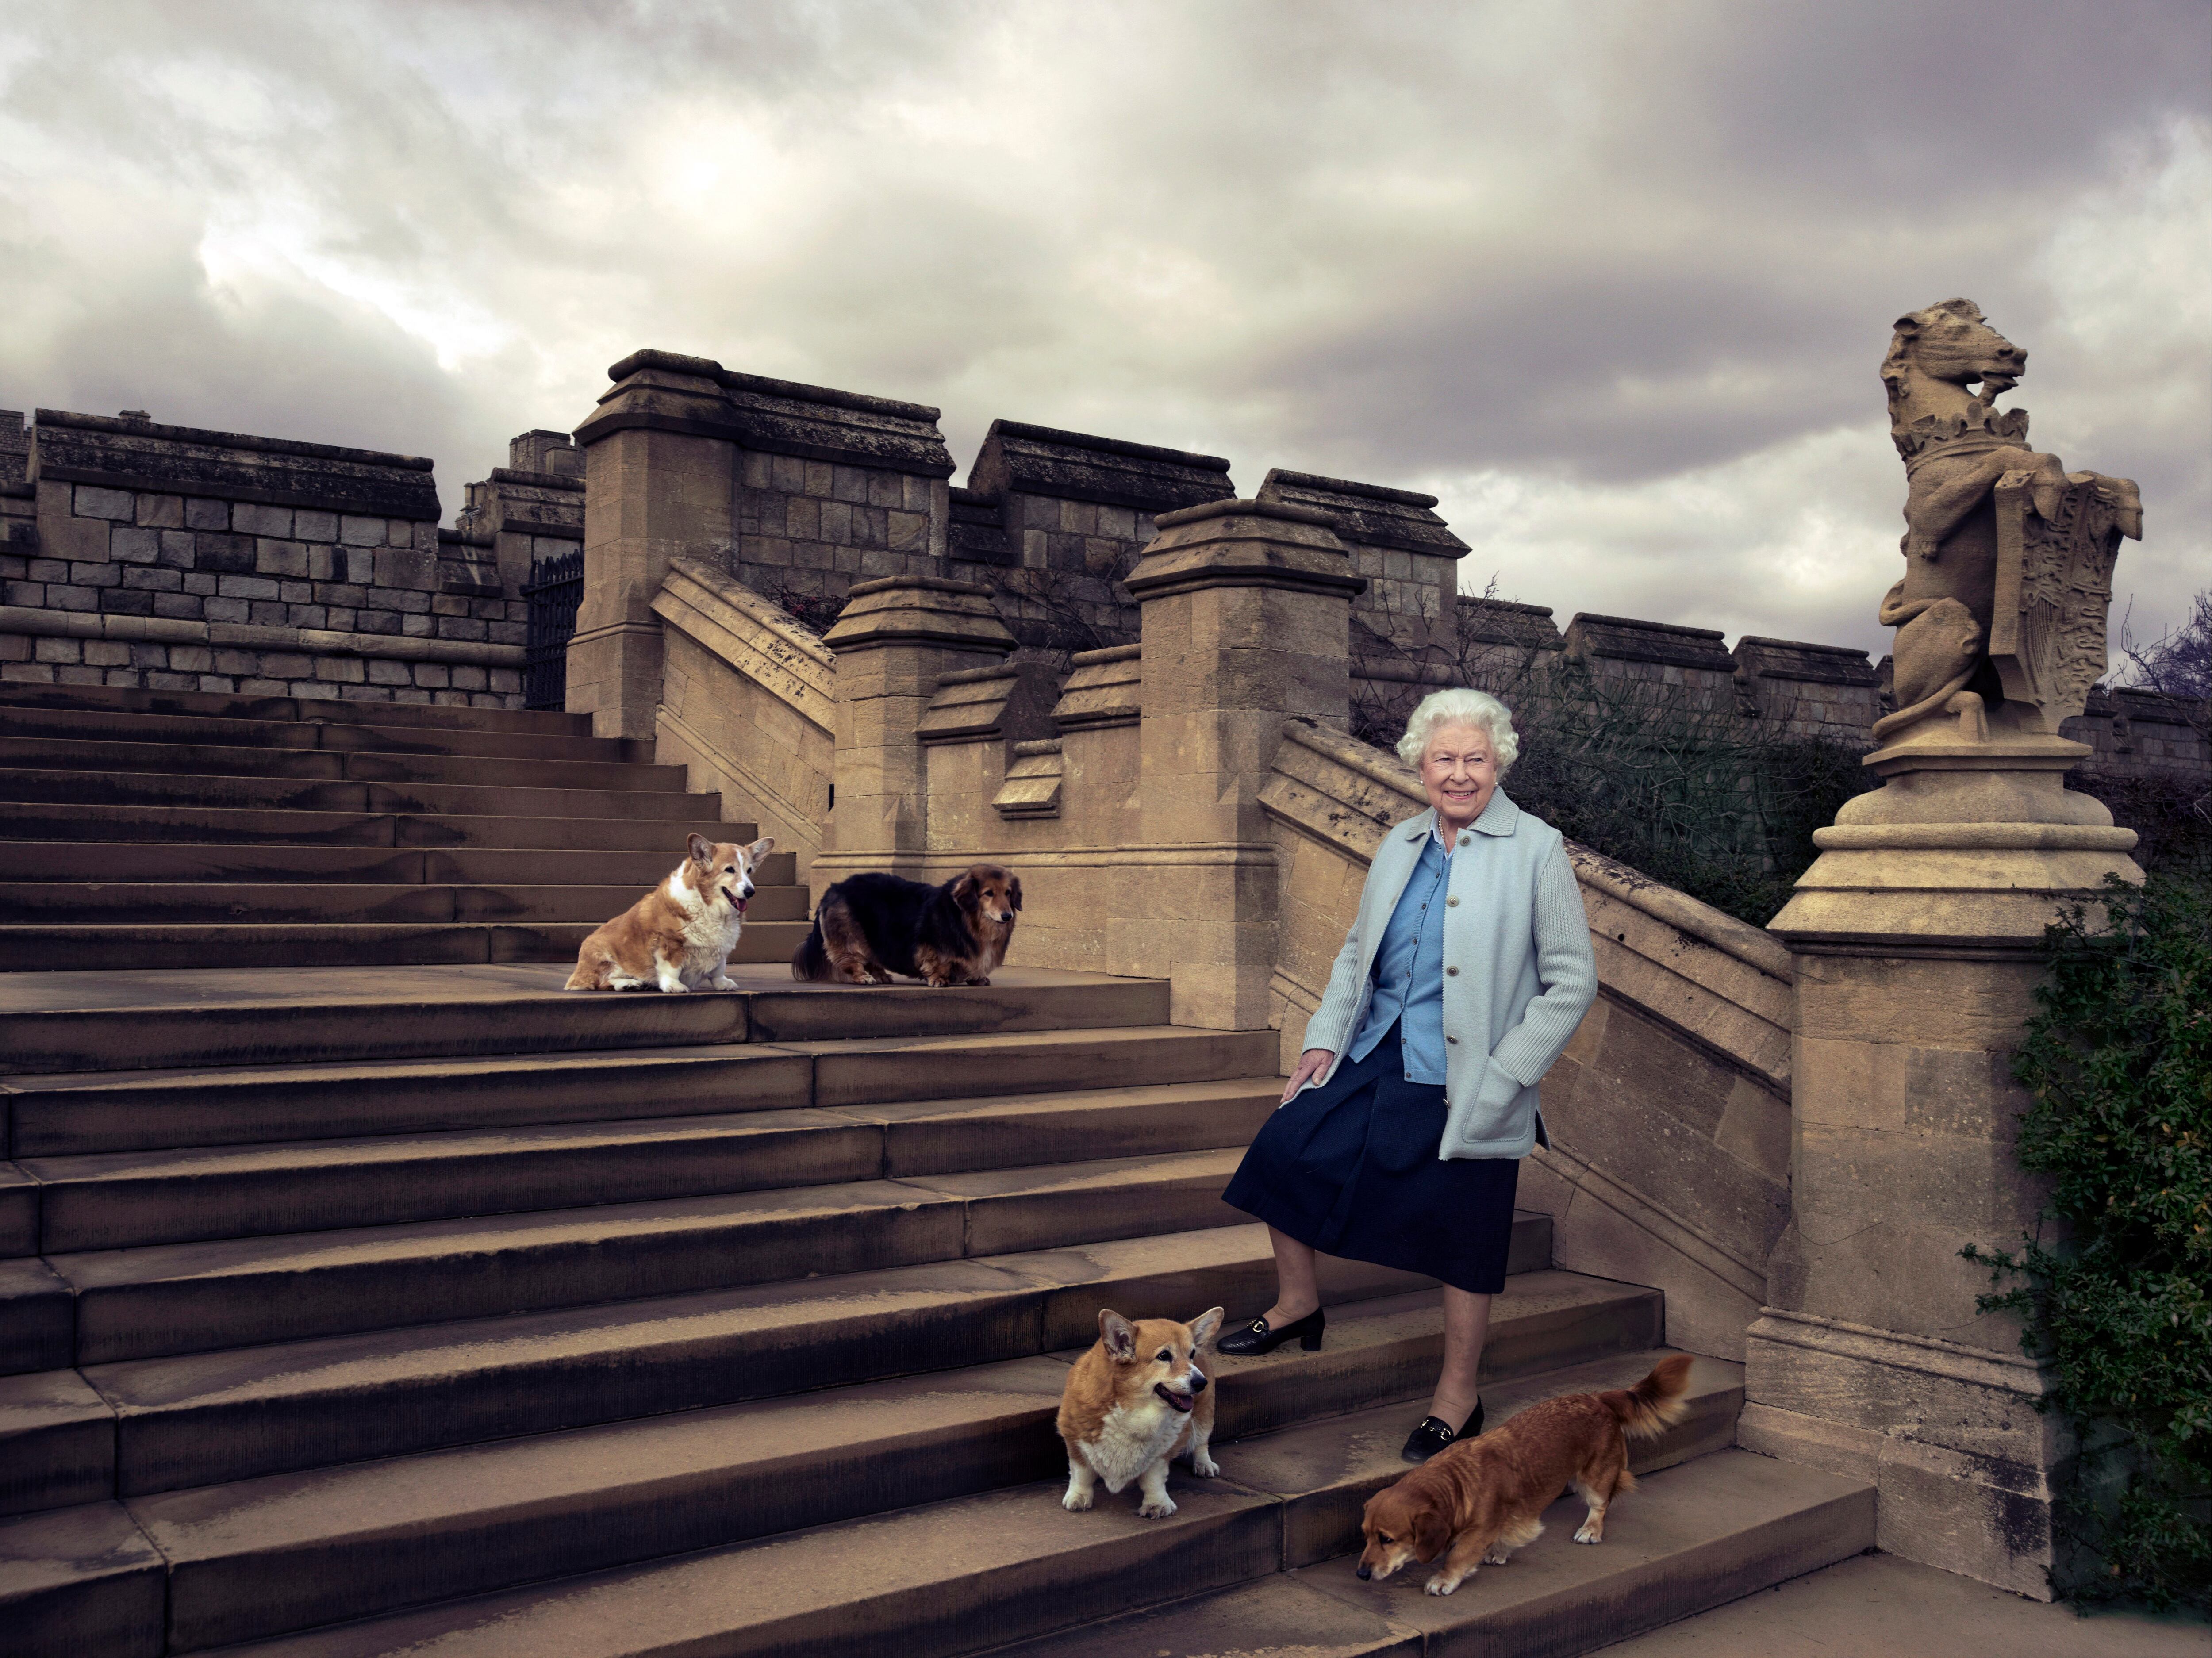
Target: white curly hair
{"points": [[1461, 707]]}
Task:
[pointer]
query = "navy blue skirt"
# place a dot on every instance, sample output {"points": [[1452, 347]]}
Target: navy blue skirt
{"points": [[1351, 1169]]}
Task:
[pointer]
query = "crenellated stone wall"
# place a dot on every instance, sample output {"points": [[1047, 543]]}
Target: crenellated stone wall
{"points": [[172, 557]]}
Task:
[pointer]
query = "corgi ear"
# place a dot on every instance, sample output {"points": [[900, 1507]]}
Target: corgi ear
{"points": [[760, 849], [1206, 1326], [701, 848], [1119, 1335], [1014, 890]]}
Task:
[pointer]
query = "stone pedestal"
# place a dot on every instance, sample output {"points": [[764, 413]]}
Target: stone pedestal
{"points": [[895, 640], [1245, 615], [659, 485], [1916, 939]]}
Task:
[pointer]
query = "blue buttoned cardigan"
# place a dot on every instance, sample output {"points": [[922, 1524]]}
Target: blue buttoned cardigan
{"points": [[1518, 970]]}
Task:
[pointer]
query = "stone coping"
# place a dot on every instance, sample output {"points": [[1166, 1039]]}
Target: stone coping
{"points": [[1244, 508], [1368, 513], [245, 636], [65, 420], [1017, 459]]}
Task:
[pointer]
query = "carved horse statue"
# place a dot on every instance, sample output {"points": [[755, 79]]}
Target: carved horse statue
{"points": [[1956, 449]]}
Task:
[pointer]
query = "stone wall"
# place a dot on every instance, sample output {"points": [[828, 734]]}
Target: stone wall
{"points": [[174, 557], [530, 509]]}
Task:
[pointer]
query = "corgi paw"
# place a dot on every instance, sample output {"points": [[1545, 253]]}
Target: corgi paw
{"points": [[1160, 1508], [1075, 1502], [679, 988], [1586, 1535], [1204, 1465], [1496, 1558], [1441, 1584]]}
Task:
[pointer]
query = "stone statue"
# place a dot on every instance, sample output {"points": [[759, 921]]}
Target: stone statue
{"points": [[2007, 556]]}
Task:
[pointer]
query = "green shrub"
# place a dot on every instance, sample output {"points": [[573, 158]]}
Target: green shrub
{"points": [[2112, 1286]]}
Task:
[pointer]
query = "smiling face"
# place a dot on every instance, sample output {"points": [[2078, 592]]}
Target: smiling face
{"points": [[1460, 773], [1159, 1355], [725, 869]]}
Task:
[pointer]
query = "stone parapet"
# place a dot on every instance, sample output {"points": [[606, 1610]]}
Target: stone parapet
{"points": [[530, 509], [1408, 555], [1822, 692], [14, 454], [748, 704]]}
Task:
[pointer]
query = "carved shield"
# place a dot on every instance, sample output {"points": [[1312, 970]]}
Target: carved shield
{"points": [[2054, 589]]}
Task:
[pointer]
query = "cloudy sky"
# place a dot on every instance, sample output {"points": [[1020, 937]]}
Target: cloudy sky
{"points": [[1612, 280]]}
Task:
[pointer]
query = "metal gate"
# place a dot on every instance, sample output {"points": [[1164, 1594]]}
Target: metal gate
{"points": [[555, 588]]}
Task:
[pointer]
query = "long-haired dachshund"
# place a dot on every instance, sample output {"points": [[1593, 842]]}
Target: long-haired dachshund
{"points": [[868, 927]]}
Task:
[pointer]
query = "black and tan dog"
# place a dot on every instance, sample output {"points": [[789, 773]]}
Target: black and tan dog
{"points": [[868, 927]]}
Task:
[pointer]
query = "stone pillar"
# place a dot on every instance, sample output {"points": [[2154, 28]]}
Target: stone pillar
{"points": [[1245, 614], [894, 639], [659, 461], [1915, 940]]}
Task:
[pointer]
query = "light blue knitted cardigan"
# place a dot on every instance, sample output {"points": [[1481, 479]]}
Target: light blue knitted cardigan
{"points": [[1518, 971]]}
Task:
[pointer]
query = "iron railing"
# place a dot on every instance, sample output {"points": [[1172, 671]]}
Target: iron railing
{"points": [[555, 589]]}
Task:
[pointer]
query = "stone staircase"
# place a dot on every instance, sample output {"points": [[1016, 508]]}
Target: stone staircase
{"points": [[179, 828], [413, 1306]]}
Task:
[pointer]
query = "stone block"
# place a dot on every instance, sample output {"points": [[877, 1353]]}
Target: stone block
{"points": [[246, 586], [134, 546], [117, 506], [191, 658], [179, 607], [58, 650], [203, 582], [281, 557], [341, 670], [227, 554], [161, 511], [151, 578], [405, 567], [360, 532], [96, 576], [254, 518], [204, 514], [122, 601]]}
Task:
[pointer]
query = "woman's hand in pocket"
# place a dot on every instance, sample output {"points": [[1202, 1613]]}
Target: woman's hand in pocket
{"points": [[1312, 1064]]}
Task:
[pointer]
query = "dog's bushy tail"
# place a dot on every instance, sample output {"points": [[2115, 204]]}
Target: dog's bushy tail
{"points": [[1654, 1403], [810, 962]]}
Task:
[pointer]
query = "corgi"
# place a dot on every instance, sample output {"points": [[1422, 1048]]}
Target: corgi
{"points": [[1135, 1400], [679, 936], [1483, 1497]]}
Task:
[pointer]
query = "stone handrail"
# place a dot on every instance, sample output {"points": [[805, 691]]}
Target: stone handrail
{"points": [[1669, 1114], [748, 703], [245, 636]]}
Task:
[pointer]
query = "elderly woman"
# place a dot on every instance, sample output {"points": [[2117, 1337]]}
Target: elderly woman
{"points": [[1399, 1135]]}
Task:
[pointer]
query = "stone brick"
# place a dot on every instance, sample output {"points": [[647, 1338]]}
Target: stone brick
{"points": [[117, 506], [135, 546], [215, 682], [173, 682], [14, 648], [191, 658], [468, 678], [179, 607], [107, 653], [202, 582], [226, 555], [418, 627], [296, 593], [161, 511], [341, 670], [306, 615], [252, 518], [434, 675], [398, 566], [408, 602], [324, 564], [308, 524], [62, 596], [246, 586], [77, 675], [460, 627], [48, 570], [33, 593], [266, 613], [207, 515], [237, 662], [59, 650], [382, 672], [125, 601], [281, 557], [377, 622], [361, 531], [96, 576], [226, 609]]}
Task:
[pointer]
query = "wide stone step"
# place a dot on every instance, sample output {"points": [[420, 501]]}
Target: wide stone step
{"points": [[336, 710], [289, 1552], [970, 1573], [80, 1112], [115, 724], [83, 947], [69, 754], [239, 827], [205, 1419], [197, 1298], [269, 902], [122, 1200], [150, 1019], [311, 794], [1691, 1538], [158, 862]]}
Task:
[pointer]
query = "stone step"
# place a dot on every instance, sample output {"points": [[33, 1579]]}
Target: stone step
{"points": [[63, 1026], [90, 904], [41, 754], [116, 1200], [160, 862], [36, 1312], [311, 794], [73, 1113], [971, 1573], [86, 947], [236, 828], [166, 1299], [57, 1442], [207, 1418], [117, 725], [1713, 1530], [290, 1551], [218, 705]]}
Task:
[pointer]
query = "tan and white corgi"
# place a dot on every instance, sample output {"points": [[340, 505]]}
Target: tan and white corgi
{"points": [[680, 935], [1135, 1400]]}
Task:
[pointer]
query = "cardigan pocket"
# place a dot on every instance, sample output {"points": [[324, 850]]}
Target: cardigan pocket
{"points": [[1489, 1116]]}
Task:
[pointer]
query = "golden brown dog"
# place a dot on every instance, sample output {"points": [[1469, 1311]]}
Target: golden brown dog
{"points": [[1484, 1497], [1135, 1400], [679, 936]]}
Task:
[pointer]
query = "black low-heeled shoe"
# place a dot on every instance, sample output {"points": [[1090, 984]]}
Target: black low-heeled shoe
{"points": [[1432, 1436], [1257, 1338]]}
